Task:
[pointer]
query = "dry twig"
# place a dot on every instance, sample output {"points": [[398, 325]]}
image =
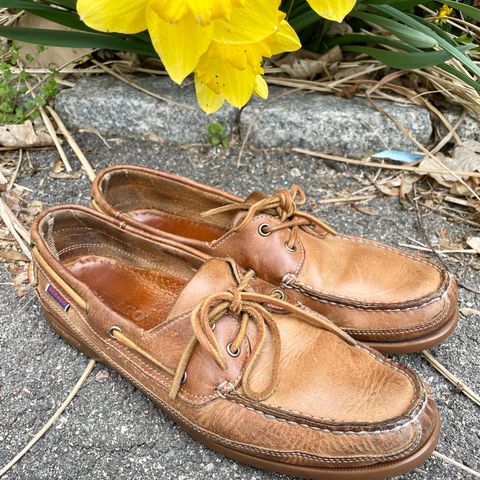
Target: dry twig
{"points": [[15, 227], [459, 385], [73, 144], [386, 166]]}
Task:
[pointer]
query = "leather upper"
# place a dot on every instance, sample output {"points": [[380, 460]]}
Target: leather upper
{"points": [[376, 292], [139, 304]]}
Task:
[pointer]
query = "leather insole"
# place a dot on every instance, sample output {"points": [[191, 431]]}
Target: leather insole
{"points": [[142, 295], [177, 225]]}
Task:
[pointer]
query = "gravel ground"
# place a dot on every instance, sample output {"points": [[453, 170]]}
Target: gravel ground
{"points": [[111, 430]]}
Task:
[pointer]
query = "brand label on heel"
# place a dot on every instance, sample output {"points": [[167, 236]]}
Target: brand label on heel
{"points": [[57, 297]]}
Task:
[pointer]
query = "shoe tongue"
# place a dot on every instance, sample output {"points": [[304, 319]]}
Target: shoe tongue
{"points": [[254, 197], [215, 275]]}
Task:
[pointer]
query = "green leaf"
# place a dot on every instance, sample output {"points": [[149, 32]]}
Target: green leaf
{"points": [[412, 22], [354, 38], [304, 20], [409, 35], [402, 60], [400, 4], [461, 76], [59, 38]]}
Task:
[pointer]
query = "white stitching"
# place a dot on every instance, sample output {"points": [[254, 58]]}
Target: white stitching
{"points": [[360, 308]]}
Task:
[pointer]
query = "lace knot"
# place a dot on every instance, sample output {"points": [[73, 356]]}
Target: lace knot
{"points": [[235, 305]]}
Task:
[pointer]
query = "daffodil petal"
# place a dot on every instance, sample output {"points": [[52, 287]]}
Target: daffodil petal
{"points": [[204, 11], [335, 10], [284, 40], [239, 88], [261, 87], [172, 11], [208, 100], [207, 10], [221, 77], [253, 22], [180, 45], [120, 16]]}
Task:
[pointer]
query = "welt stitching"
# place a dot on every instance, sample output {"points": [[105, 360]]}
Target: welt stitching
{"points": [[351, 307], [400, 423], [379, 304], [360, 433], [437, 319]]}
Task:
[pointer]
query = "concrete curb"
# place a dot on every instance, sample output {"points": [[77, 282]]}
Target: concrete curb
{"points": [[304, 119]]}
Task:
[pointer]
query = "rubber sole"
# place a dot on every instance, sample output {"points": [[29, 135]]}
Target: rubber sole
{"points": [[374, 472], [421, 343]]}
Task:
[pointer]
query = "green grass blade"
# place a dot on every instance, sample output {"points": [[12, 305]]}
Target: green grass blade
{"points": [[409, 35], [59, 38], [304, 20], [355, 38], [412, 22], [461, 76], [402, 60]]}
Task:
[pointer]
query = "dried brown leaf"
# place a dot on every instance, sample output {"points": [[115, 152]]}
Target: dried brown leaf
{"points": [[465, 158], [13, 255], [301, 65], [386, 190], [65, 175], [474, 242], [24, 135], [468, 312]]}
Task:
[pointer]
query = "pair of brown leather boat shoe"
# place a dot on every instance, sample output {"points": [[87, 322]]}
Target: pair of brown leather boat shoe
{"points": [[216, 307]]}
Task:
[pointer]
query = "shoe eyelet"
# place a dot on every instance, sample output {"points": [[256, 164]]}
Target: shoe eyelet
{"points": [[233, 354], [184, 378], [291, 250], [278, 293], [115, 328], [261, 230]]}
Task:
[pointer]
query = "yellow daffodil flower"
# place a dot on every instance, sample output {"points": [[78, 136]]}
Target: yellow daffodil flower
{"points": [[182, 30], [335, 10], [234, 72]]}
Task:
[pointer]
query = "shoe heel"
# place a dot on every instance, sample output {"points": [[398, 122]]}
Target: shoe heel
{"points": [[65, 333]]}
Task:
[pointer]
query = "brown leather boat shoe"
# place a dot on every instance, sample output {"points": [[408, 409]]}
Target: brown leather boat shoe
{"points": [[251, 376], [391, 299]]}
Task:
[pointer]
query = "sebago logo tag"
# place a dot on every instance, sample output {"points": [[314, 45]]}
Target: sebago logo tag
{"points": [[57, 297]]}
